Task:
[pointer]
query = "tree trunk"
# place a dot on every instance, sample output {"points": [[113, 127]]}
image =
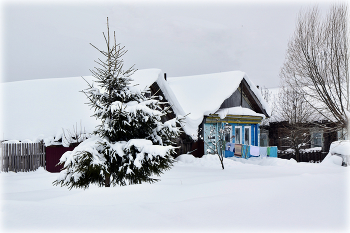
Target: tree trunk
{"points": [[221, 158], [222, 165], [297, 155], [107, 180]]}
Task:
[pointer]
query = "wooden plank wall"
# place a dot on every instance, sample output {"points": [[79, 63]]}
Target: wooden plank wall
{"points": [[22, 157]]}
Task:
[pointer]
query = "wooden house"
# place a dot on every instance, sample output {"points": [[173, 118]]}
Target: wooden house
{"points": [[227, 99], [210, 102], [277, 132]]}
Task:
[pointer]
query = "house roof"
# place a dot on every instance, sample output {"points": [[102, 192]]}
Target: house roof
{"points": [[40, 109], [201, 95]]}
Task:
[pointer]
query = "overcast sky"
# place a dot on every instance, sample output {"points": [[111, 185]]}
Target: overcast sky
{"points": [[182, 38]]}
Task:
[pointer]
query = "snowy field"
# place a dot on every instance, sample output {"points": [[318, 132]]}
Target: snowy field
{"points": [[196, 195]]}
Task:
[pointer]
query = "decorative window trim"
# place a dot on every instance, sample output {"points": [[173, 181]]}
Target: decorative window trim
{"points": [[240, 136], [267, 138], [316, 131], [230, 132], [249, 134]]}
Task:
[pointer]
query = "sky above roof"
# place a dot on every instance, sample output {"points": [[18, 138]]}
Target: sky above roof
{"points": [[181, 38]]}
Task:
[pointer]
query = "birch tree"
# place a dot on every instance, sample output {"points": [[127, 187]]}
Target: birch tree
{"points": [[292, 108], [316, 64]]}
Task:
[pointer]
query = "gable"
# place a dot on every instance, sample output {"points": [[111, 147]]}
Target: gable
{"points": [[236, 100], [244, 97]]}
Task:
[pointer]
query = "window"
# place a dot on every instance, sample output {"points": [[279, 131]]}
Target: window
{"points": [[228, 133], [247, 137], [238, 134], [316, 139], [212, 134], [342, 135], [264, 139], [286, 143]]}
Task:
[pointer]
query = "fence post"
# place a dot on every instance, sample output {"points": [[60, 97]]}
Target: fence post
{"points": [[35, 157], [18, 155], [6, 158], [15, 165], [30, 157], [10, 157], [25, 156], [21, 158], [1, 155], [43, 155]]}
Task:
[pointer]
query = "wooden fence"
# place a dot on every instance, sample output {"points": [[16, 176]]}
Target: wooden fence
{"points": [[313, 156], [21, 157]]}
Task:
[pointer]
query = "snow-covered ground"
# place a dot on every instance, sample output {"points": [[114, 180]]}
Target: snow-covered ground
{"points": [[258, 195]]}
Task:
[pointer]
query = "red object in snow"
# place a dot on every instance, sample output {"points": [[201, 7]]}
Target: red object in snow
{"points": [[53, 155]]}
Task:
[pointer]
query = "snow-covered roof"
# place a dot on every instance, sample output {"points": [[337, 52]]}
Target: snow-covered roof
{"points": [[238, 111], [38, 109], [202, 95]]}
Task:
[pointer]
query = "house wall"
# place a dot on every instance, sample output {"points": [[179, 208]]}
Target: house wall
{"points": [[208, 142], [279, 130], [244, 97], [235, 100]]}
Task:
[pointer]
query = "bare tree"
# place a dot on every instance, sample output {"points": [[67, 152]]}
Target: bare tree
{"points": [[316, 64], [297, 114], [216, 141], [268, 98], [292, 107], [74, 137]]}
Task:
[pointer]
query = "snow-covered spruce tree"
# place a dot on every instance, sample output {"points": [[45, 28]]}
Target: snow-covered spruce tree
{"points": [[131, 144]]}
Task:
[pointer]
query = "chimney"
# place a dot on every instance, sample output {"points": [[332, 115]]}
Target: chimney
{"points": [[165, 76]]}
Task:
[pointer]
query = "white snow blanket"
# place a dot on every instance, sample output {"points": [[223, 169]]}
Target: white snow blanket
{"points": [[238, 111], [342, 149], [40, 109], [196, 195]]}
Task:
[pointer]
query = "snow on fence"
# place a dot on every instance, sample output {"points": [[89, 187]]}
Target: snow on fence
{"points": [[21, 157], [313, 156]]}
